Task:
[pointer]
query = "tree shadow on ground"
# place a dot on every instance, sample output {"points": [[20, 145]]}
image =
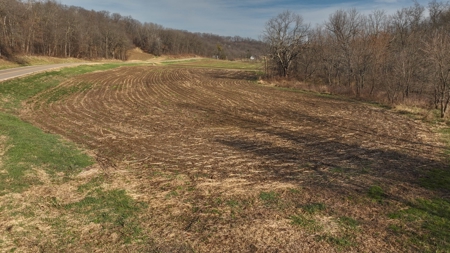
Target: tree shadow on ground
{"points": [[236, 75], [320, 156]]}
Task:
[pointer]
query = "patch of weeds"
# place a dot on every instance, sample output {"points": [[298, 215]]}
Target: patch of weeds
{"points": [[215, 211], [378, 105], [247, 202], [365, 170], [439, 179], [269, 198], [131, 231], [191, 188], [63, 231], [295, 191], [106, 206], [340, 170], [350, 171], [26, 213], [314, 207], [171, 194], [233, 203], [376, 193], [395, 229], [446, 134], [428, 223], [92, 184], [217, 201], [165, 187], [114, 209], [446, 138], [436, 180], [155, 174], [200, 175], [340, 242], [410, 114], [348, 222], [237, 206], [309, 224], [29, 147]]}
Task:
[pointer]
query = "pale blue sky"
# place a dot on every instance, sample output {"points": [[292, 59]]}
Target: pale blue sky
{"points": [[245, 18]]}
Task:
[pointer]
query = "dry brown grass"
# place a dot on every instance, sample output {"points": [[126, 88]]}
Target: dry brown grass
{"points": [[7, 64], [138, 55], [21, 61], [44, 60], [36, 60]]}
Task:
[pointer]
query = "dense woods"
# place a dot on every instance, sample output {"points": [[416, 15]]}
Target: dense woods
{"points": [[51, 29], [399, 58]]}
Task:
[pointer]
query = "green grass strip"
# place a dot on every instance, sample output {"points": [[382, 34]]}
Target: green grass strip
{"points": [[27, 147], [220, 64]]}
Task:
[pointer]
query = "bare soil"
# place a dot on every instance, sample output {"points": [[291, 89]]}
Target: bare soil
{"points": [[138, 55], [203, 146]]}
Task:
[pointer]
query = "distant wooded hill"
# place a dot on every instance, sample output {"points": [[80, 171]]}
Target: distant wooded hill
{"points": [[52, 29]]}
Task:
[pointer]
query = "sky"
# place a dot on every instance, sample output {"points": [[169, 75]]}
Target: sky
{"points": [[244, 18]]}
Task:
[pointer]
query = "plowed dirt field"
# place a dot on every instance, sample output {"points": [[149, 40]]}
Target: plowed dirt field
{"points": [[226, 164]]}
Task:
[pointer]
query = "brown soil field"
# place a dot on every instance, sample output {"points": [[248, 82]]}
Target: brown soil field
{"points": [[226, 164]]}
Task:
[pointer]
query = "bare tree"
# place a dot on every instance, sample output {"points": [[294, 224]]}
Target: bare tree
{"points": [[438, 56], [285, 36], [350, 45], [405, 48], [379, 42]]}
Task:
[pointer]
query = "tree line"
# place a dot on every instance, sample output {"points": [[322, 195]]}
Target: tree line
{"points": [[395, 58], [52, 29]]}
